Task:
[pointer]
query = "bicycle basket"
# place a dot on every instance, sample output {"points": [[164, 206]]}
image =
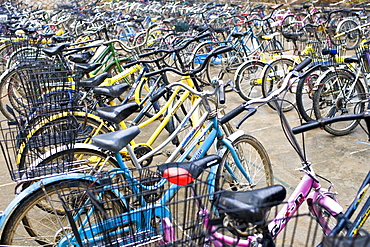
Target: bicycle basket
{"points": [[340, 241], [43, 90], [112, 213], [25, 148], [363, 54], [182, 26], [25, 49]]}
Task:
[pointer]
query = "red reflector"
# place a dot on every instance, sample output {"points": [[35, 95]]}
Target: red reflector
{"points": [[178, 176]]}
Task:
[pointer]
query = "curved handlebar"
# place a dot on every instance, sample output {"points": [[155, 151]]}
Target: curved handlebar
{"points": [[247, 105], [215, 52], [128, 48], [187, 43], [325, 121]]}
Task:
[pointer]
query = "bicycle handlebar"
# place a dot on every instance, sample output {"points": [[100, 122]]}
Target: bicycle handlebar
{"points": [[325, 121], [187, 43], [128, 48], [246, 106], [215, 52]]}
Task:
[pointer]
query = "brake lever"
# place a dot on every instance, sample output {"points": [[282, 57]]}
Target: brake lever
{"points": [[250, 111]]}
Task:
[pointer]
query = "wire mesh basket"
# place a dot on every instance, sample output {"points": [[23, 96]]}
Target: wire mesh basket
{"points": [[26, 49], [120, 212], [143, 211], [27, 149], [42, 89]]}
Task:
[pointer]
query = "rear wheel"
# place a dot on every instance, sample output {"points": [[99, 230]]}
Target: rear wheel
{"points": [[338, 94], [351, 39]]}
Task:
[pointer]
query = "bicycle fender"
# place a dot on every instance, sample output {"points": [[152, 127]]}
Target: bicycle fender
{"points": [[17, 201], [322, 197], [235, 135]]}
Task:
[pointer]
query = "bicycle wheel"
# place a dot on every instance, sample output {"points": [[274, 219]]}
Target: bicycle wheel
{"points": [[223, 66], [248, 79], [306, 87], [33, 223], [351, 39], [37, 142], [7, 82], [339, 94], [199, 55], [273, 76], [256, 163]]}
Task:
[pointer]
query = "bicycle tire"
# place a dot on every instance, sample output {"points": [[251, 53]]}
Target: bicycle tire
{"points": [[327, 102], [351, 39], [223, 66], [6, 80], [248, 79], [273, 76], [33, 224], [86, 126], [255, 161], [306, 87]]}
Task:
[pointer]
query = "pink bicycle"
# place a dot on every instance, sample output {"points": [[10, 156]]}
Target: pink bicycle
{"points": [[242, 215]]}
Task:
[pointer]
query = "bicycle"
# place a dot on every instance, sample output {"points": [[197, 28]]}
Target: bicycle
{"points": [[117, 140], [111, 118]]}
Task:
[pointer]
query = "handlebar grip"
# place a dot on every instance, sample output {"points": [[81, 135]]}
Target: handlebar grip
{"points": [[303, 64], [230, 115], [306, 127], [222, 97], [325, 121], [159, 94]]}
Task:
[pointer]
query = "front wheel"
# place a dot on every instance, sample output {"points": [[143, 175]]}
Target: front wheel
{"points": [[248, 79], [34, 222], [353, 36], [255, 161], [273, 76]]}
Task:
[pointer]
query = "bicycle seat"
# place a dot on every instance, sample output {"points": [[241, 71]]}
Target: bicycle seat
{"points": [[292, 36], [60, 39], [183, 173], [115, 141], [221, 30], [250, 206], [54, 50], [353, 59], [94, 81], [117, 114], [87, 67], [239, 34], [112, 91]]}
